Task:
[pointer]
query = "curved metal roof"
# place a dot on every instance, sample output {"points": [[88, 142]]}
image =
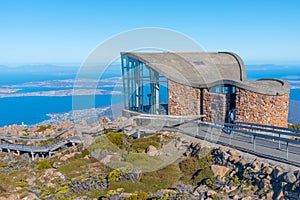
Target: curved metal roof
{"points": [[208, 69]]}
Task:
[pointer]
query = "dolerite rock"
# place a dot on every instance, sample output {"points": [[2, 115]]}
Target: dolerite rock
{"points": [[232, 152], [255, 167], [243, 163], [265, 183], [292, 195], [182, 188], [210, 193], [114, 197], [221, 157], [25, 158], [193, 149], [81, 198], [130, 175], [178, 142], [86, 184], [277, 172], [233, 159], [201, 191], [289, 177], [15, 165], [9, 158], [2, 190], [219, 170], [297, 174], [267, 170], [56, 165], [104, 120], [10, 197], [151, 151], [246, 198], [30, 196], [6, 171]]}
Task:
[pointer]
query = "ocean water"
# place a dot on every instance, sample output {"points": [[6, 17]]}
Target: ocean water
{"points": [[32, 110]]}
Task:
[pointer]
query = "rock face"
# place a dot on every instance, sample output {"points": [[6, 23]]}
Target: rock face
{"points": [[68, 156], [193, 149], [87, 184], [151, 151], [272, 182], [289, 177], [219, 170]]}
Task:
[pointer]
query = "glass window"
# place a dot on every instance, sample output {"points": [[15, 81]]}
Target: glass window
{"points": [[223, 89], [145, 90]]}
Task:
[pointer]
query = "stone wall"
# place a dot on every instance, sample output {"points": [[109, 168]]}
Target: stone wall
{"points": [[214, 106], [183, 100], [262, 109], [250, 106]]}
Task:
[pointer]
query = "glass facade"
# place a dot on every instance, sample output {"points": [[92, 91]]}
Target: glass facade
{"points": [[223, 89], [145, 90]]}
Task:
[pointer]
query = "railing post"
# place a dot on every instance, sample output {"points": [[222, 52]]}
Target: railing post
{"points": [[279, 141], [197, 132], [287, 150], [32, 155], [253, 142]]}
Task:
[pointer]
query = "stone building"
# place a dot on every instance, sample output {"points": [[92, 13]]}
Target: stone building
{"points": [[199, 83]]}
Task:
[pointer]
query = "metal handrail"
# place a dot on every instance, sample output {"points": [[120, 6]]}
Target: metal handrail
{"points": [[269, 126], [17, 137], [287, 133]]}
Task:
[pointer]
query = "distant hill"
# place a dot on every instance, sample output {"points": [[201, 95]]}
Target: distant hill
{"points": [[46, 68], [51, 69]]}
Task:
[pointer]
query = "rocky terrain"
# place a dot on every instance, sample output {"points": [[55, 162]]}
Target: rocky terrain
{"points": [[117, 166]]}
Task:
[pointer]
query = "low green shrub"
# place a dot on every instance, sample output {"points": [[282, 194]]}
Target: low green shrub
{"points": [[152, 181], [236, 180], [139, 196], [196, 169], [43, 128], [214, 197], [74, 166], [114, 175], [294, 126], [102, 143], [201, 175], [141, 144], [119, 139], [44, 164]]}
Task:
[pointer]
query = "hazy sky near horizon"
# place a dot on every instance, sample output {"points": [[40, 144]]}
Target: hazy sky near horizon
{"points": [[66, 31]]}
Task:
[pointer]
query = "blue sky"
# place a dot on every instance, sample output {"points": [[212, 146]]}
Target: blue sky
{"points": [[66, 31]]}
